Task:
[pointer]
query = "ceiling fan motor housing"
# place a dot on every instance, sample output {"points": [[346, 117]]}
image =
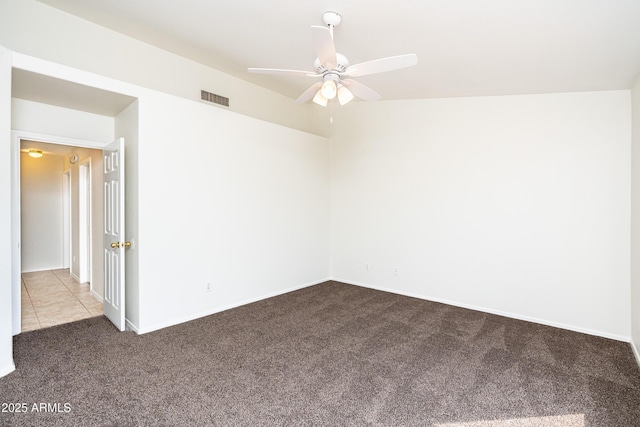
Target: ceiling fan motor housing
{"points": [[331, 76]]}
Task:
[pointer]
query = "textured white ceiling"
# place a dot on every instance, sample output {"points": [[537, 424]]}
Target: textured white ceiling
{"points": [[464, 47]]}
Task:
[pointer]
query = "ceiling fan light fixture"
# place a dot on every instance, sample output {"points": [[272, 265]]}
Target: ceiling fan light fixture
{"points": [[319, 99], [329, 89], [344, 95], [335, 71], [35, 153]]}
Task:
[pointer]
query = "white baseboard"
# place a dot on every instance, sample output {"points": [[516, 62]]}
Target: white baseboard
{"points": [[636, 353], [6, 370], [96, 296], [131, 326], [488, 310], [225, 308], [41, 269]]}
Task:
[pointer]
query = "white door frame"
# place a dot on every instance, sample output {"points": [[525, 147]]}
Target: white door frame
{"points": [[84, 221], [66, 218], [16, 266]]}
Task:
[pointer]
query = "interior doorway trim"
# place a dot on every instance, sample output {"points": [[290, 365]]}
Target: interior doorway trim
{"points": [[66, 225], [84, 220], [16, 264]]}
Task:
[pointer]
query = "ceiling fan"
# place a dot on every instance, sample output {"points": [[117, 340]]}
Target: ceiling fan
{"points": [[335, 71]]}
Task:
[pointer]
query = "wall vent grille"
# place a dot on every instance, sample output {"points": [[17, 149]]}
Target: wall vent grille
{"points": [[212, 97]]}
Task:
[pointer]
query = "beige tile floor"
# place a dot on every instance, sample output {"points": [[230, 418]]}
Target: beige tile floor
{"points": [[53, 297]]}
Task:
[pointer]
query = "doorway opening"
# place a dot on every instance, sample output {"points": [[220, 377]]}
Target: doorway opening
{"points": [[76, 105], [59, 210]]}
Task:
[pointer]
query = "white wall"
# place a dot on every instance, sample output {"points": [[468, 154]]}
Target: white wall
{"points": [[38, 30], [6, 258], [635, 220], [41, 211], [53, 120], [517, 205], [228, 200]]}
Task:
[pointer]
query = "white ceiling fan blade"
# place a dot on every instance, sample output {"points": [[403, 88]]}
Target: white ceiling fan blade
{"points": [[309, 93], [325, 48], [282, 72], [382, 65], [361, 91]]}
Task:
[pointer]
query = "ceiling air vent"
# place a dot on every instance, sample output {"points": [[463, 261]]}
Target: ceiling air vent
{"points": [[213, 98]]}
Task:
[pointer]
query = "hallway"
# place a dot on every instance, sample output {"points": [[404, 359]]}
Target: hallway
{"points": [[53, 297]]}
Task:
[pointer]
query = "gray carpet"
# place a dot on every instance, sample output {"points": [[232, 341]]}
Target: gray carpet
{"points": [[328, 355]]}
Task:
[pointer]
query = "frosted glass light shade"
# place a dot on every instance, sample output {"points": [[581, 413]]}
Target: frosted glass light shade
{"points": [[329, 89], [319, 99], [344, 95]]}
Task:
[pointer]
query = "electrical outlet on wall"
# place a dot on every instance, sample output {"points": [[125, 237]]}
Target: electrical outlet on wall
{"points": [[208, 287], [366, 267], [396, 272]]}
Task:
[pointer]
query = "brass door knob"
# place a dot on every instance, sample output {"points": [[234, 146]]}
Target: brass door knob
{"points": [[116, 245]]}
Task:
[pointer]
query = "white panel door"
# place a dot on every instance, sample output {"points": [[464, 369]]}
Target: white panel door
{"points": [[114, 239]]}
